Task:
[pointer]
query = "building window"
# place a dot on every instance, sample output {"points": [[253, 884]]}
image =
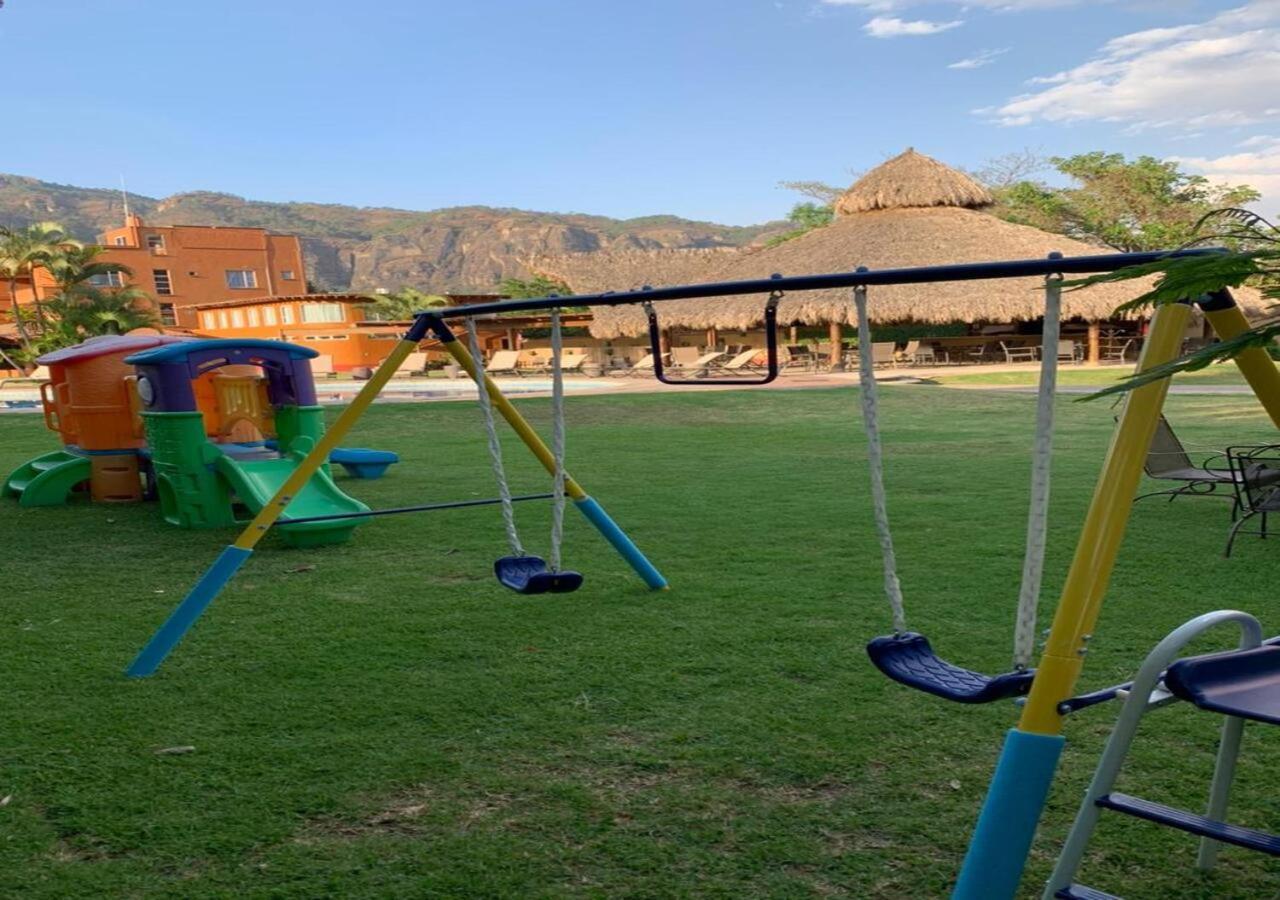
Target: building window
{"points": [[107, 280], [322, 312], [268, 315], [237, 319], [155, 241], [120, 241], [252, 315], [168, 315], [287, 275], [239, 279], [208, 320], [286, 314], [222, 319], [163, 285]]}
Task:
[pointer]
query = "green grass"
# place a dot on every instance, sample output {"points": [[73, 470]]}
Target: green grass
{"points": [[1088, 377], [383, 720]]}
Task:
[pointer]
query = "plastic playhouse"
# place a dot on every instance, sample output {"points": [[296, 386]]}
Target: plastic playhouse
{"points": [[208, 428]]}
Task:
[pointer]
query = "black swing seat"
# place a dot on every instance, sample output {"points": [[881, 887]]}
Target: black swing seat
{"points": [[908, 659], [1244, 683], [530, 575]]}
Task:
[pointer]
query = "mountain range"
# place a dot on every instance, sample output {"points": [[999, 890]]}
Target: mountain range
{"points": [[458, 249]]}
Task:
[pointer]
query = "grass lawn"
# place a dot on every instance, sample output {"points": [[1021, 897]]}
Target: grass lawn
{"points": [[1101, 376], [383, 720]]}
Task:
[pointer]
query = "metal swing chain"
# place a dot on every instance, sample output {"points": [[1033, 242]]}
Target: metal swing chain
{"points": [[495, 446], [557, 442], [875, 460]]}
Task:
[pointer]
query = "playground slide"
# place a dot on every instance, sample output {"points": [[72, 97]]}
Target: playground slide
{"points": [[255, 480], [48, 480]]}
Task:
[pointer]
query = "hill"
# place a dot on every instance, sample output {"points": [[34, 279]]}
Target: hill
{"points": [[467, 248]]}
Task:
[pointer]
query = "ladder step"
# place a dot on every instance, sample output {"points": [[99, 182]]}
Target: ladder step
{"points": [[1191, 822], [1083, 892]]}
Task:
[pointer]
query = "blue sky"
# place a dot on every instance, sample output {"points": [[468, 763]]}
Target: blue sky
{"points": [[693, 107]]}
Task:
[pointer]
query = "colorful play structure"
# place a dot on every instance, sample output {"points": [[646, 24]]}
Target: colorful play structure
{"points": [[1239, 685], [205, 427]]}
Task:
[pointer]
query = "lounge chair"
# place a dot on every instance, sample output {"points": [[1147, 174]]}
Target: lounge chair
{"points": [[573, 362], [743, 362], [504, 362], [414, 364], [643, 367], [697, 368], [684, 356], [38, 374], [1167, 460], [917, 353], [1018, 354]]}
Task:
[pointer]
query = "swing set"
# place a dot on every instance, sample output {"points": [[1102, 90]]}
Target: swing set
{"points": [[1002, 836]]}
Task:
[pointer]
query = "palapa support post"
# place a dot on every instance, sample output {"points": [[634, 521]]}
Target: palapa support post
{"points": [[835, 333]]}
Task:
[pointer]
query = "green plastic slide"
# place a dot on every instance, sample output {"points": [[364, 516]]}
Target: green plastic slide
{"points": [[47, 480], [255, 481]]}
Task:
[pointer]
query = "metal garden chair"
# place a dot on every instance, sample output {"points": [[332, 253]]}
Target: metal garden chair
{"points": [[1257, 479], [1167, 460]]}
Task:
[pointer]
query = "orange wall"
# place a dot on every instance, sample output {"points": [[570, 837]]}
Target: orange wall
{"points": [[349, 345], [197, 259]]}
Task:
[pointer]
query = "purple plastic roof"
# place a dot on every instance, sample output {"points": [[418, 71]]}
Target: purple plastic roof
{"points": [[108, 343]]}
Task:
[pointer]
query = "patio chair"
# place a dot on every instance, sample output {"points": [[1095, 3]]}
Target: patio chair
{"points": [[1167, 460], [1116, 352], [1257, 477], [917, 353], [1069, 351], [884, 353], [504, 362], [801, 355], [1018, 354]]}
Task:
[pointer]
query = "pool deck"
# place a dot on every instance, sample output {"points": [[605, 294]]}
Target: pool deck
{"points": [[26, 398]]}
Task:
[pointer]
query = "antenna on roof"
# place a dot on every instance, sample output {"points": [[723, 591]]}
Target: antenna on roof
{"points": [[123, 193]]}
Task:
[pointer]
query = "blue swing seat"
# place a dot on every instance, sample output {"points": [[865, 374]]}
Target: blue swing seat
{"points": [[530, 575], [1244, 683], [908, 659]]}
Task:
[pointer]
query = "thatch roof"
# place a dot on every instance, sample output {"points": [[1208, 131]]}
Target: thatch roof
{"points": [[936, 233], [911, 180]]}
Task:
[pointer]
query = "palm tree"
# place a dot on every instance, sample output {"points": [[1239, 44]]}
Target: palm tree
{"points": [[84, 312], [22, 251], [403, 304], [72, 265]]}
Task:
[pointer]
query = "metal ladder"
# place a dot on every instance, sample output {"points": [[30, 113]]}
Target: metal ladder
{"points": [[1147, 692]]}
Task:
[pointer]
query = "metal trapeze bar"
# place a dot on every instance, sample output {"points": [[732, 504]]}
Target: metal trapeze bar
{"points": [[426, 507]]}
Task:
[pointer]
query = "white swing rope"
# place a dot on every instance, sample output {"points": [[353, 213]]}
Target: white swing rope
{"points": [[1042, 454], [557, 442], [495, 447]]}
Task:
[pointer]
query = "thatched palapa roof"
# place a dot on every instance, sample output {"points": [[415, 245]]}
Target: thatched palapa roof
{"points": [[910, 211]]}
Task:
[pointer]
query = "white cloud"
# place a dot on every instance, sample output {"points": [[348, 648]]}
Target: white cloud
{"points": [[888, 27], [1222, 72], [978, 60], [1257, 165]]}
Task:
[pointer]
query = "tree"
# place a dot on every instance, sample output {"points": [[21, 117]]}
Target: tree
{"points": [[1144, 204], [73, 265], [1253, 258], [537, 286], [22, 251], [403, 304], [806, 217], [825, 194]]}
